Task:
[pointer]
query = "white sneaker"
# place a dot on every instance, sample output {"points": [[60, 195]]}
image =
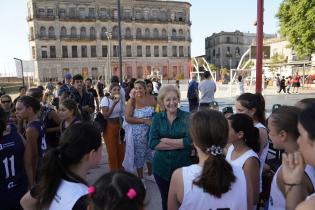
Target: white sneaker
{"points": [[149, 178]]}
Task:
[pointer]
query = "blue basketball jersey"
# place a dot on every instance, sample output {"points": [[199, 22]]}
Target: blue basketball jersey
{"points": [[41, 141], [12, 173]]}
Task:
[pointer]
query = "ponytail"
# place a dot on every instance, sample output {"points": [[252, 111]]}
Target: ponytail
{"points": [[216, 177], [244, 123], [217, 174]]}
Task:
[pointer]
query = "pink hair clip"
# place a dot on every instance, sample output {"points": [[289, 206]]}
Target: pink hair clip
{"points": [[91, 190], [131, 194]]}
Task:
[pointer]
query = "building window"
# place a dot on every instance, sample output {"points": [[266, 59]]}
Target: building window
{"points": [[138, 33], [93, 51], [164, 51], [128, 51], [91, 13], [104, 51], [52, 51], [155, 33], [62, 12], [65, 51], [180, 32], [94, 73], [42, 31], [188, 49], [73, 32], [139, 51], [147, 33], [115, 12], [213, 52], [164, 34], [50, 12], [72, 12], [147, 51], [103, 33], [103, 13], [115, 32], [127, 14], [82, 12], [83, 51], [115, 51], [92, 33], [51, 32], [33, 52], [63, 31], [44, 53], [181, 51], [174, 51], [128, 33], [228, 39], [156, 51], [174, 33], [237, 51], [82, 32], [74, 51]]}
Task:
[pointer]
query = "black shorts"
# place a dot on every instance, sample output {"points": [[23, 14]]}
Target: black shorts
{"points": [[296, 84]]}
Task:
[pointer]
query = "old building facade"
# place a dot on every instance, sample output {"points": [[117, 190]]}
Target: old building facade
{"points": [[225, 49], [81, 36]]}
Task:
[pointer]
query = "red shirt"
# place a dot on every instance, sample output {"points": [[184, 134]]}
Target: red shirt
{"points": [[297, 78]]}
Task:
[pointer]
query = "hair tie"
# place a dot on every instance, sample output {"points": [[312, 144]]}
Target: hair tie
{"points": [[214, 150], [91, 190], [131, 194]]}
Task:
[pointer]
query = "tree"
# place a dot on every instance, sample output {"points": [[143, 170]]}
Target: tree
{"points": [[297, 24], [277, 60]]}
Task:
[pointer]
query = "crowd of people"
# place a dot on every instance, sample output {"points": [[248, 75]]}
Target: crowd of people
{"points": [[50, 138]]}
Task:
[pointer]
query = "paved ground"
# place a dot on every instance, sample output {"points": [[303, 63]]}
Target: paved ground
{"points": [[224, 98]]}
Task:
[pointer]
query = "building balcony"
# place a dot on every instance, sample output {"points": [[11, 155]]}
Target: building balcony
{"points": [[78, 18], [45, 17], [77, 38], [46, 37], [178, 38], [31, 38]]}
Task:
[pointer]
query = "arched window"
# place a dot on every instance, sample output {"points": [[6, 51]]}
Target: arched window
{"points": [[83, 32], [42, 31], [147, 32], [155, 33], [237, 51], [73, 31], [92, 33], [51, 31], [115, 31], [180, 32], [164, 34], [128, 32], [103, 32], [174, 33], [63, 31], [138, 33], [213, 52]]}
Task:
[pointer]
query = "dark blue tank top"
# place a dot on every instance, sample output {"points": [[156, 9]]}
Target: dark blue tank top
{"points": [[41, 141], [12, 173]]}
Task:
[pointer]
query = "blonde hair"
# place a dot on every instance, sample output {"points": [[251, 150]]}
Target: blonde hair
{"points": [[165, 89]]}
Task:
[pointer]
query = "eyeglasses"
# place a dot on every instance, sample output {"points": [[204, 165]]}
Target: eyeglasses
{"points": [[5, 102]]}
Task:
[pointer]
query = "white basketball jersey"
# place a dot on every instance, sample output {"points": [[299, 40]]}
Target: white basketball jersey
{"points": [[196, 198], [240, 161], [67, 195], [277, 200]]}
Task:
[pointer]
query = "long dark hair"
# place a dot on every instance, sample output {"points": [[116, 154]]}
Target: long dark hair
{"points": [[30, 101], [257, 101], [243, 122], [77, 140], [3, 122], [111, 192], [286, 118], [210, 128], [306, 118]]}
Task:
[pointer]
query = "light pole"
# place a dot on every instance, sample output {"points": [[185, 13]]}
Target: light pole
{"points": [[22, 69], [109, 65], [259, 40]]}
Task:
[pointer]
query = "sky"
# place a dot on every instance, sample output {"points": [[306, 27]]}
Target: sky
{"points": [[207, 16]]}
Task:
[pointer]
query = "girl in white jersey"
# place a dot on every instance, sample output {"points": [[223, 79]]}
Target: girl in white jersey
{"points": [[62, 183], [254, 106], [244, 138], [283, 133], [212, 183], [293, 164]]}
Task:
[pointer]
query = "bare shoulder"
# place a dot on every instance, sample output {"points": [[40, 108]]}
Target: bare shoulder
{"points": [[307, 205]]}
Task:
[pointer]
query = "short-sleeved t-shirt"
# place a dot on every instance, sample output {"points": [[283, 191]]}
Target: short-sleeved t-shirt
{"points": [[207, 89], [107, 102]]}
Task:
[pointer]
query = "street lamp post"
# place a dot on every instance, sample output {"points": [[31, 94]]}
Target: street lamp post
{"points": [[21, 61], [109, 65], [259, 40]]}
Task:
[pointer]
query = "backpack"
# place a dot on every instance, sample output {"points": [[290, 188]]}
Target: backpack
{"points": [[192, 91]]}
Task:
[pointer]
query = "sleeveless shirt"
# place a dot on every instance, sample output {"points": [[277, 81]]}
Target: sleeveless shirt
{"points": [[195, 197]]}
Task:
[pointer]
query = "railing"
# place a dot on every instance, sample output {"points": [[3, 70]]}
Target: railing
{"points": [[178, 38], [45, 17], [77, 37], [46, 37]]}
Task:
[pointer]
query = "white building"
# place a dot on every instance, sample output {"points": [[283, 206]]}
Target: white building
{"points": [[72, 36]]}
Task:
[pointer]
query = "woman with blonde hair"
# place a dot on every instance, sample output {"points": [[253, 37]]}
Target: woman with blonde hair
{"points": [[169, 137]]}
